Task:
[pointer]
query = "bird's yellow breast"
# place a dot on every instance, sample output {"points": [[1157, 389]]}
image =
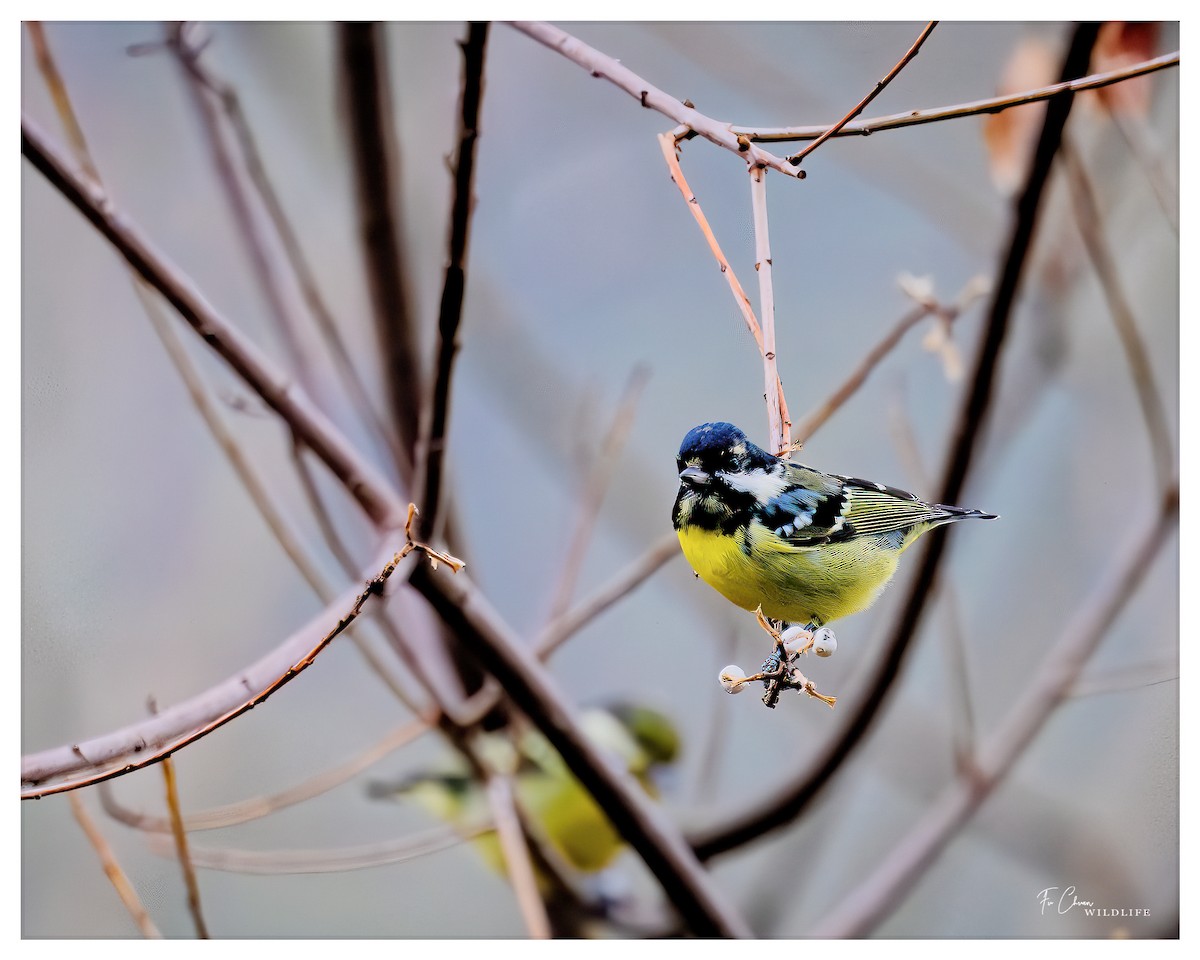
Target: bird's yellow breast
{"points": [[801, 585]]}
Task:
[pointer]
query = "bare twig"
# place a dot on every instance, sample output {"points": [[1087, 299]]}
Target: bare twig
{"points": [[179, 834], [255, 808], [1048, 686], [669, 151], [1087, 217], [263, 261], [1138, 137], [432, 448], [875, 91], [338, 860], [190, 57], [516, 856], [795, 797], [62, 100], [147, 742], [961, 712], [112, 870], [594, 489], [932, 115], [779, 429], [601, 65], [815, 420], [370, 115], [572, 621]]}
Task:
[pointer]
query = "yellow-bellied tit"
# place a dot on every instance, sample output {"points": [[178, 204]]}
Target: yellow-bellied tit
{"points": [[807, 547], [558, 808]]}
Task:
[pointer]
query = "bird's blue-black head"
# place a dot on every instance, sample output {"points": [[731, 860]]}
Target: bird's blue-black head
{"points": [[720, 446]]}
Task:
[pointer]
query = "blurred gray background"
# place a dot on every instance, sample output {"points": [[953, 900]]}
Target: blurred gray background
{"points": [[147, 570]]}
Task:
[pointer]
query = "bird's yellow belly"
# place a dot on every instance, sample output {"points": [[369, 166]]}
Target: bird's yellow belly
{"points": [[796, 585]]}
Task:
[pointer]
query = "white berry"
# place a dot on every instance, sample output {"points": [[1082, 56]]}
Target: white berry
{"points": [[730, 677], [825, 643]]}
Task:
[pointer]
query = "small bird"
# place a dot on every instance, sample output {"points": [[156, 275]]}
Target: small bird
{"points": [[563, 813], [804, 546]]}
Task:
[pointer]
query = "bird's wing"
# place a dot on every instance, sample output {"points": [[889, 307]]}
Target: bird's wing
{"points": [[817, 508]]}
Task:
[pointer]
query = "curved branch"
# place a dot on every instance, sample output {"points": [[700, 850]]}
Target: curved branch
{"points": [[605, 67], [141, 744]]}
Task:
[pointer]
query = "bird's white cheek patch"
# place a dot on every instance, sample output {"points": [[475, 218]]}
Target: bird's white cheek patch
{"points": [[758, 483]]}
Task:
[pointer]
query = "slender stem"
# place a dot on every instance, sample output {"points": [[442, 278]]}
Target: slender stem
{"points": [[516, 857], [848, 387], [779, 430], [592, 497], [562, 628], [795, 798], [112, 870], [255, 808], [1107, 269], [454, 286], [862, 104], [605, 67], [667, 143], [263, 261], [179, 833], [855, 916], [62, 100], [337, 860], [251, 156], [934, 114], [370, 116]]}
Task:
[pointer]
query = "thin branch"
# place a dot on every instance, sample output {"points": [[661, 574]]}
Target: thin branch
{"points": [[934, 114], [862, 104], [370, 115], [433, 445], [190, 57], [795, 797], [596, 486], [141, 744], [1125, 677], [338, 860], [263, 263], [669, 151], [962, 714], [255, 808], [1047, 687], [112, 870], [359, 476], [179, 834], [858, 376], [779, 429], [633, 814], [1087, 217], [1149, 157], [562, 628], [603, 66], [516, 857], [62, 100]]}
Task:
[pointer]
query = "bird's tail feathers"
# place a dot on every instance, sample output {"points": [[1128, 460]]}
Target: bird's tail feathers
{"points": [[953, 514]]}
